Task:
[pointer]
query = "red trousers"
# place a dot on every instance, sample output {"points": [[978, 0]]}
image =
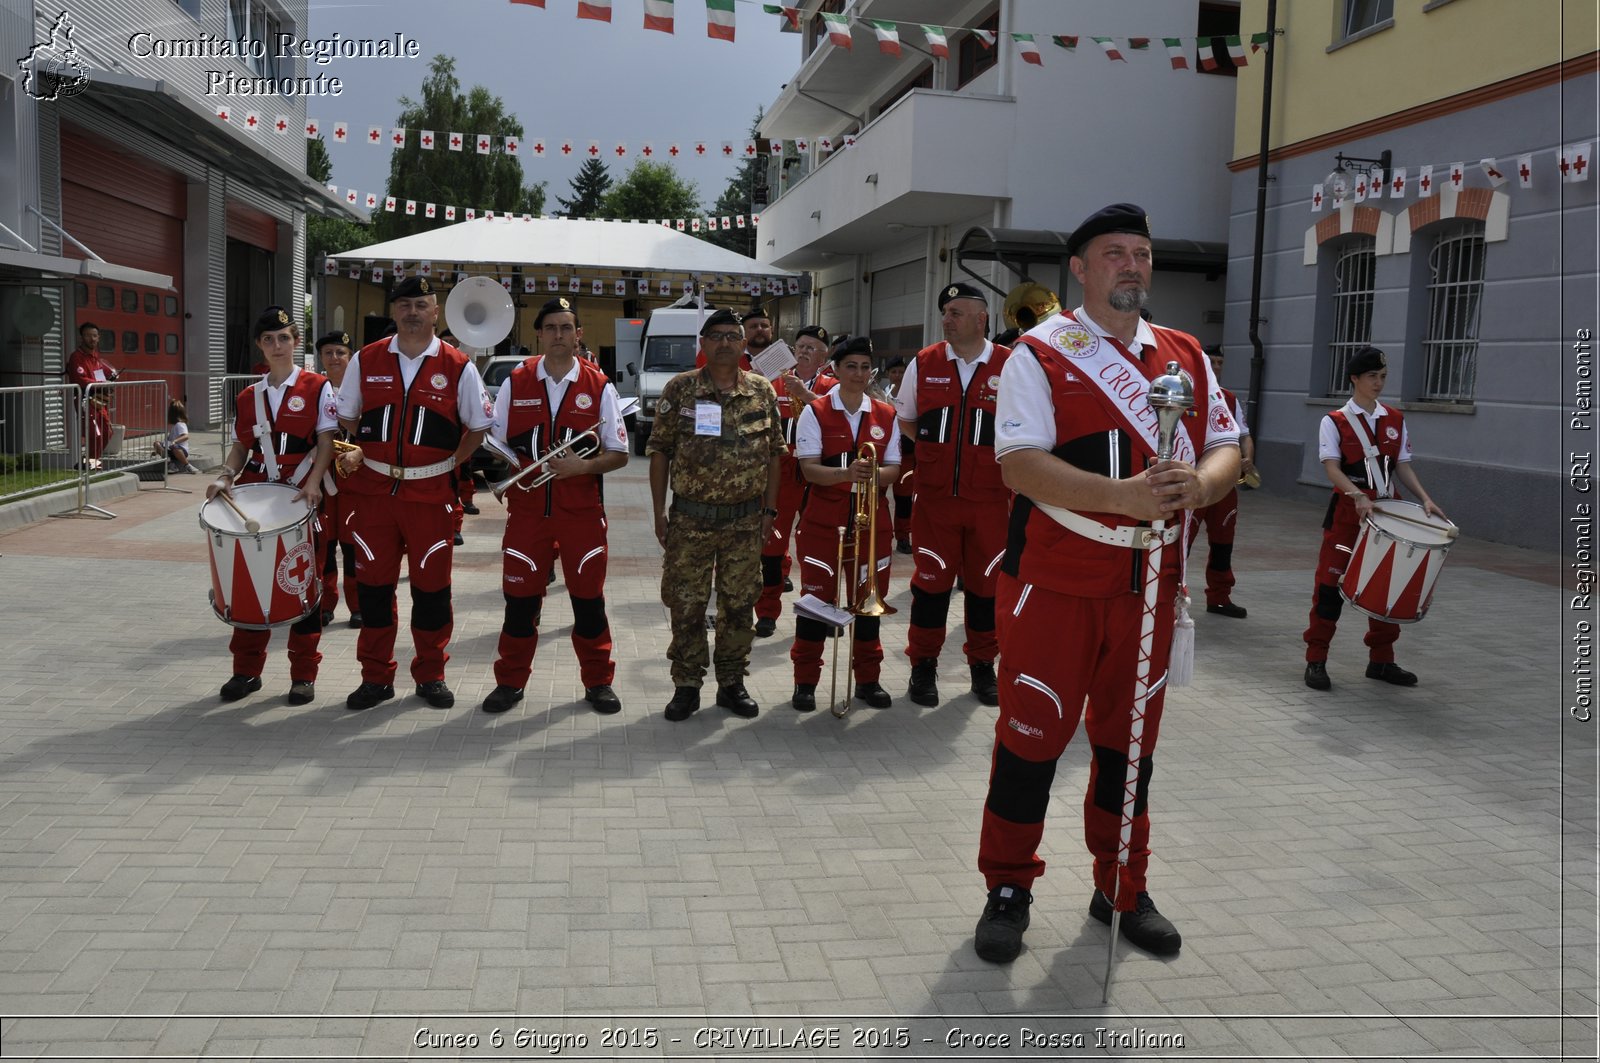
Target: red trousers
{"points": [[955, 537], [1221, 519], [529, 551], [775, 558], [1326, 601], [249, 649], [336, 535], [819, 556], [383, 529], [1058, 652]]}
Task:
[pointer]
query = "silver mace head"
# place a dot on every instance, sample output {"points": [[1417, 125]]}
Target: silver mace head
{"points": [[1171, 395]]}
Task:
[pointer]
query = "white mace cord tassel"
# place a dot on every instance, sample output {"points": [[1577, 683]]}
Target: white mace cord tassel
{"points": [[1180, 668]]}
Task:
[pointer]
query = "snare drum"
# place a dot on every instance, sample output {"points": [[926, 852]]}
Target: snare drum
{"points": [[265, 579], [1396, 561]]}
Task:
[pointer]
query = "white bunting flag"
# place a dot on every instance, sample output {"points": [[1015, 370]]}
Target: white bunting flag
{"points": [[411, 207], [449, 212], [1458, 176], [374, 135], [330, 267], [1492, 172], [665, 288], [425, 138], [472, 213], [425, 268], [341, 132], [281, 123], [377, 274], [1525, 171], [397, 138], [483, 143], [252, 121], [455, 141], [505, 282], [738, 221], [647, 150], [644, 285], [593, 150], [1316, 199], [794, 285], [1574, 164], [1425, 182], [621, 288], [388, 204], [372, 200], [1397, 183], [430, 211], [312, 129], [513, 146], [572, 284], [552, 283], [529, 285], [597, 287]]}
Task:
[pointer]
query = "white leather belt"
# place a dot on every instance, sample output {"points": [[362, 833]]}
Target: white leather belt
{"points": [[417, 472], [1131, 536]]}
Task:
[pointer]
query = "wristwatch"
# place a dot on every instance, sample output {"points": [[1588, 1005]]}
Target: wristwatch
{"points": [[769, 511]]}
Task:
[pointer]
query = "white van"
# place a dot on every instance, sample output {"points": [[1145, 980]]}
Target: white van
{"points": [[658, 348]]}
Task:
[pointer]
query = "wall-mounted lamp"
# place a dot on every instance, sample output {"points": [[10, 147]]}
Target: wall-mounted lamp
{"points": [[816, 215], [1341, 183], [872, 178]]}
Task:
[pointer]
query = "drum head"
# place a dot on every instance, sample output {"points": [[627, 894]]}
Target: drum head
{"points": [[271, 505], [1411, 523]]}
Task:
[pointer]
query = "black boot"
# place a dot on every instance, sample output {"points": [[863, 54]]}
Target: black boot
{"points": [[924, 688], [998, 938], [685, 703], [805, 697], [983, 682]]}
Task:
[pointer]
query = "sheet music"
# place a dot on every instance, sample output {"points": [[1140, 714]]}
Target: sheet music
{"points": [[772, 362], [809, 605]]}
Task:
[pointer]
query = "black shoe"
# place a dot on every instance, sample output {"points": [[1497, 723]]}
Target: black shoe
{"points": [[788, 584], [998, 938], [302, 692], [983, 683], [550, 579], [685, 703], [1317, 675], [470, 509], [874, 695], [239, 686], [1238, 612], [765, 627], [1144, 927], [367, 695], [603, 698], [355, 619], [327, 617], [924, 688], [903, 546], [1390, 672], [459, 541], [502, 698], [436, 694], [805, 697], [737, 700]]}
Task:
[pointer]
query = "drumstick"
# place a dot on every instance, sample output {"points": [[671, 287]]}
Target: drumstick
{"points": [[251, 525]]}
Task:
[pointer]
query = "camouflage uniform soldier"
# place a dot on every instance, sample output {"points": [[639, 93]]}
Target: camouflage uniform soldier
{"points": [[718, 439]]}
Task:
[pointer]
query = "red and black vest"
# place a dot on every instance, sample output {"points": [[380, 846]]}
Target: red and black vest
{"points": [[829, 504], [293, 428], [1089, 436], [1388, 432], [789, 409], [409, 427], [955, 428], [533, 429]]}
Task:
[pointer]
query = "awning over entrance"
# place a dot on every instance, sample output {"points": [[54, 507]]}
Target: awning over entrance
{"points": [[27, 265]]}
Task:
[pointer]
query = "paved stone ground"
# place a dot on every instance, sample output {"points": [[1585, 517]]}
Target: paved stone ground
{"points": [[1367, 872]]}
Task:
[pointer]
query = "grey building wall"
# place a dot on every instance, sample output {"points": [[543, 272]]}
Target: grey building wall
{"points": [[1497, 465]]}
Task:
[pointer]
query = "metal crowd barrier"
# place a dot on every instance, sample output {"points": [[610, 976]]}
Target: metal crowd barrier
{"points": [[37, 451], [208, 399], [117, 426]]}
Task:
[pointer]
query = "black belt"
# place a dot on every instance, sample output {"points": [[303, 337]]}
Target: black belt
{"points": [[688, 507]]}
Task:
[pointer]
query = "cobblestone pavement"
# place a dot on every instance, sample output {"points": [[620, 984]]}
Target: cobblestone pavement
{"points": [[1370, 871]]}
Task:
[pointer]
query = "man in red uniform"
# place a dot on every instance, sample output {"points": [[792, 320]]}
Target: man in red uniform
{"points": [[831, 435], [1221, 518], [946, 404], [1364, 448], [1077, 439], [895, 372], [85, 367], [545, 402], [796, 389], [334, 354], [417, 409], [283, 433]]}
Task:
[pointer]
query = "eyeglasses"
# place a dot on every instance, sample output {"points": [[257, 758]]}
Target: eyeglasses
{"points": [[724, 337]]}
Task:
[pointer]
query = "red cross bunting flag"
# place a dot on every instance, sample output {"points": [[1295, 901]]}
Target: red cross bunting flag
{"points": [[1525, 171], [1397, 183], [513, 145], [449, 212], [505, 282], [644, 285], [621, 288], [1425, 182], [252, 120], [454, 141], [775, 148], [1457, 175], [372, 200], [425, 268], [528, 285], [673, 151], [484, 143], [281, 123], [430, 211], [1574, 164], [397, 137], [538, 147], [647, 150], [489, 214], [728, 149], [374, 135], [620, 150], [701, 150], [664, 289], [597, 287], [593, 150], [222, 114], [330, 267], [472, 213], [312, 129], [426, 140], [1492, 172], [388, 204], [377, 274], [572, 284], [341, 132], [1316, 199], [551, 283]]}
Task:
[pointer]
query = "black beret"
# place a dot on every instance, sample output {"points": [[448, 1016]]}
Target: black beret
{"points": [[559, 305], [896, 362], [1366, 360], [1117, 218], [340, 338], [410, 288], [272, 319], [816, 332], [756, 313], [854, 345], [960, 290], [720, 317]]}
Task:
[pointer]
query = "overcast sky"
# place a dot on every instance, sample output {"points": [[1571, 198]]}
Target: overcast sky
{"points": [[562, 77]]}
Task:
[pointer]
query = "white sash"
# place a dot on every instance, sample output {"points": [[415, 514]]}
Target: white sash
{"points": [[263, 430], [1377, 474], [1120, 382]]}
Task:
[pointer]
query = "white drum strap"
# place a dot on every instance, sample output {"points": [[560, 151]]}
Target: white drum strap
{"points": [[1377, 475], [263, 431]]}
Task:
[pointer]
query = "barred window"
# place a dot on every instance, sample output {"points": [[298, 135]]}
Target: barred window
{"points": [[1455, 301], [1353, 283]]}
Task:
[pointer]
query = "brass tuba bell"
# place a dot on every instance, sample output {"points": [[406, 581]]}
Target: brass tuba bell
{"points": [[1030, 303]]}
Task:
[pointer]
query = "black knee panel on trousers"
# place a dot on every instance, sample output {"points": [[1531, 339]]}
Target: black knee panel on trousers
{"points": [[1329, 602], [980, 612], [588, 617], [1019, 790], [522, 616], [902, 507], [809, 630], [310, 624], [772, 571], [1111, 766], [377, 604], [330, 558], [1221, 557], [349, 552], [866, 628], [430, 610], [930, 610]]}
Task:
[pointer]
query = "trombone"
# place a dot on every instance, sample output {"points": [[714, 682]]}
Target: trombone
{"points": [[864, 598], [539, 469]]}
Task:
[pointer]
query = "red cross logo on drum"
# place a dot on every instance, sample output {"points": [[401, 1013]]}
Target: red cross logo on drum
{"points": [[295, 570]]}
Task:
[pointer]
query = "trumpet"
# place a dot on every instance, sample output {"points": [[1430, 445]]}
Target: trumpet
{"points": [[341, 447], [863, 599], [539, 469]]}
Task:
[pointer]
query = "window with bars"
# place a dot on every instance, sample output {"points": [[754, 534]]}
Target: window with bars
{"points": [[1455, 302], [254, 21], [1353, 284]]}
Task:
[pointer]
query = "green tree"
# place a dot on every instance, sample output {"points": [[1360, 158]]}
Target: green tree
{"points": [[737, 199], [325, 236], [651, 190], [461, 178], [588, 190]]}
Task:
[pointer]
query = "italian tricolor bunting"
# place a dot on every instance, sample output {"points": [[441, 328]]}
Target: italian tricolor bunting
{"points": [[1028, 47], [1236, 51], [599, 10], [838, 28], [1109, 46], [888, 37], [938, 43], [1069, 41], [1176, 53], [658, 15], [719, 19]]}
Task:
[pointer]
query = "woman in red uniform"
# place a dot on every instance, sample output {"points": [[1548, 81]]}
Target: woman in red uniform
{"points": [[828, 446], [293, 445]]}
